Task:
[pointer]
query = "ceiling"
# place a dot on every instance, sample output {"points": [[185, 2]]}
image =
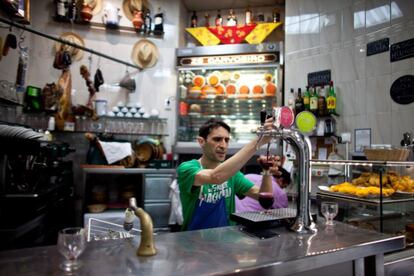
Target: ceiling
{"points": [[204, 5]]}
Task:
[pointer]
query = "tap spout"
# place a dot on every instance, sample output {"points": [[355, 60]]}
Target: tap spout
{"points": [[146, 246]]}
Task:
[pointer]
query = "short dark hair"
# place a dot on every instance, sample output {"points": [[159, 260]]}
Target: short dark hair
{"points": [[211, 124]]}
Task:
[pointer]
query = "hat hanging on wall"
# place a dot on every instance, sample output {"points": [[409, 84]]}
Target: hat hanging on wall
{"points": [[96, 5], [76, 54], [144, 54], [129, 6]]}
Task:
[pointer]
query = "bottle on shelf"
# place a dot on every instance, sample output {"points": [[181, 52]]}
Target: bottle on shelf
{"points": [[194, 20], [207, 20], [291, 100], [231, 18], [219, 20], [299, 102], [306, 99], [249, 17], [313, 101], [73, 11], [322, 102], [159, 22], [61, 8], [276, 16], [331, 99], [147, 22]]}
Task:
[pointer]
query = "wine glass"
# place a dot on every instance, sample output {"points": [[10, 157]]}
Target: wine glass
{"points": [[329, 211], [266, 200], [71, 243]]}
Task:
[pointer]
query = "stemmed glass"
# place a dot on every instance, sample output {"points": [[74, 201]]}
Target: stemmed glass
{"points": [[71, 243], [266, 201], [329, 211]]}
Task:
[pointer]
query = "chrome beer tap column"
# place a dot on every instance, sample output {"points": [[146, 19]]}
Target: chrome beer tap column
{"points": [[303, 222]]}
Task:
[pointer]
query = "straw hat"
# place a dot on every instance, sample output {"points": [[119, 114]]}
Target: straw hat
{"points": [[96, 5], [144, 54], [129, 6], [75, 53]]}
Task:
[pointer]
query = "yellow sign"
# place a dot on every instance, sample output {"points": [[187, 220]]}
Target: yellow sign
{"points": [[204, 36], [261, 31]]}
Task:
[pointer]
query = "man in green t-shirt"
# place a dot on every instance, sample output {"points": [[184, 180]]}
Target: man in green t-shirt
{"points": [[218, 179]]}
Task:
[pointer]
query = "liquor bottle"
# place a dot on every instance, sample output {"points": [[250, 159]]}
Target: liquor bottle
{"points": [[207, 20], [291, 100], [219, 20], [276, 16], [306, 99], [249, 16], [231, 19], [331, 99], [322, 103], [313, 101], [159, 22], [299, 102], [61, 10], [147, 22], [73, 11], [194, 20]]}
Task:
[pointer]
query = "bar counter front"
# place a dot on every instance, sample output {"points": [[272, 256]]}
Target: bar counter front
{"points": [[341, 249]]}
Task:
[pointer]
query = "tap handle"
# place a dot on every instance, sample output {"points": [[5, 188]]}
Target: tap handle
{"points": [[263, 116], [132, 202]]}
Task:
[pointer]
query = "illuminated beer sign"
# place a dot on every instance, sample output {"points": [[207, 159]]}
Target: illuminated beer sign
{"points": [[229, 59]]}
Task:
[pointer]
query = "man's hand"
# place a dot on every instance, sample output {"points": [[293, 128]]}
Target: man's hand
{"points": [[268, 125], [271, 163]]}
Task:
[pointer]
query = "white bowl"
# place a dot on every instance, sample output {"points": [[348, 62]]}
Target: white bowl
{"points": [[146, 115], [111, 114], [128, 115], [154, 112], [120, 114], [115, 109], [137, 115], [124, 109], [133, 110], [120, 104]]}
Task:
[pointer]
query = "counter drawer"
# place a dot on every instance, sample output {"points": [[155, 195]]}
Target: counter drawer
{"points": [[159, 212], [157, 187]]}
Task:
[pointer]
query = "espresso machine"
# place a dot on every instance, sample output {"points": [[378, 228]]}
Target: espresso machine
{"points": [[36, 188]]}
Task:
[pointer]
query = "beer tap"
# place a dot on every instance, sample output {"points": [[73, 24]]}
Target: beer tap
{"points": [[146, 246], [301, 144]]}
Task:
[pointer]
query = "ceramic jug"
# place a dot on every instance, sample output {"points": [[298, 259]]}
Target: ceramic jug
{"points": [[137, 21], [86, 12], [111, 16]]}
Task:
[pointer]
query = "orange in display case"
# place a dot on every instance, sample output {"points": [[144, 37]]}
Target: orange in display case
{"points": [[208, 91], [270, 89], [220, 90], [231, 90], [257, 91], [244, 91], [213, 80], [199, 81]]}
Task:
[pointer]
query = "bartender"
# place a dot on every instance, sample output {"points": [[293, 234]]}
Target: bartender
{"points": [[208, 185]]}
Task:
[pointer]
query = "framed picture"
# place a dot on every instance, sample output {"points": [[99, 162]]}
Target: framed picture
{"points": [[362, 139], [24, 11]]}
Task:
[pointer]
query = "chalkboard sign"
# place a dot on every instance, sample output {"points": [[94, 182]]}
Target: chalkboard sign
{"points": [[402, 50], [402, 90], [378, 46], [319, 78]]}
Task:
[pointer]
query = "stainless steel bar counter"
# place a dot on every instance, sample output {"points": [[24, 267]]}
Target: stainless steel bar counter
{"points": [[220, 251]]}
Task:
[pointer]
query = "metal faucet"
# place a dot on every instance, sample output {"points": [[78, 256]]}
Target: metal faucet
{"points": [[303, 222], [146, 246]]}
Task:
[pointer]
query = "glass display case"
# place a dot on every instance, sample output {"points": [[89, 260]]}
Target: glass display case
{"points": [[377, 195], [230, 82]]}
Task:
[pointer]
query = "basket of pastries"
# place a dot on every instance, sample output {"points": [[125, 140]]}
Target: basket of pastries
{"points": [[387, 154]]}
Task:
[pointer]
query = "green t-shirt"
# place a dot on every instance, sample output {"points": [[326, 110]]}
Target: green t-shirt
{"points": [[186, 172]]}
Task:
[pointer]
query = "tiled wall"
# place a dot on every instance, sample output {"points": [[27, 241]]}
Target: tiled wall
{"points": [[332, 34], [154, 84]]}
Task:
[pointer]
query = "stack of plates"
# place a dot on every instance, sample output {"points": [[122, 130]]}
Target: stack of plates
{"points": [[18, 132]]}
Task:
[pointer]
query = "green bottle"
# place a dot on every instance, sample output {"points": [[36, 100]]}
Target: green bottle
{"points": [[313, 102], [331, 99], [306, 99]]}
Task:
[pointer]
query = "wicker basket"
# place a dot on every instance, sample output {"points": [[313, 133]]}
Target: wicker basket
{"points": [[387, 154]]}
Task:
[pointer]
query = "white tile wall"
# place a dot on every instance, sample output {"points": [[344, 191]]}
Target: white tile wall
{"points": [[362, 83]]}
